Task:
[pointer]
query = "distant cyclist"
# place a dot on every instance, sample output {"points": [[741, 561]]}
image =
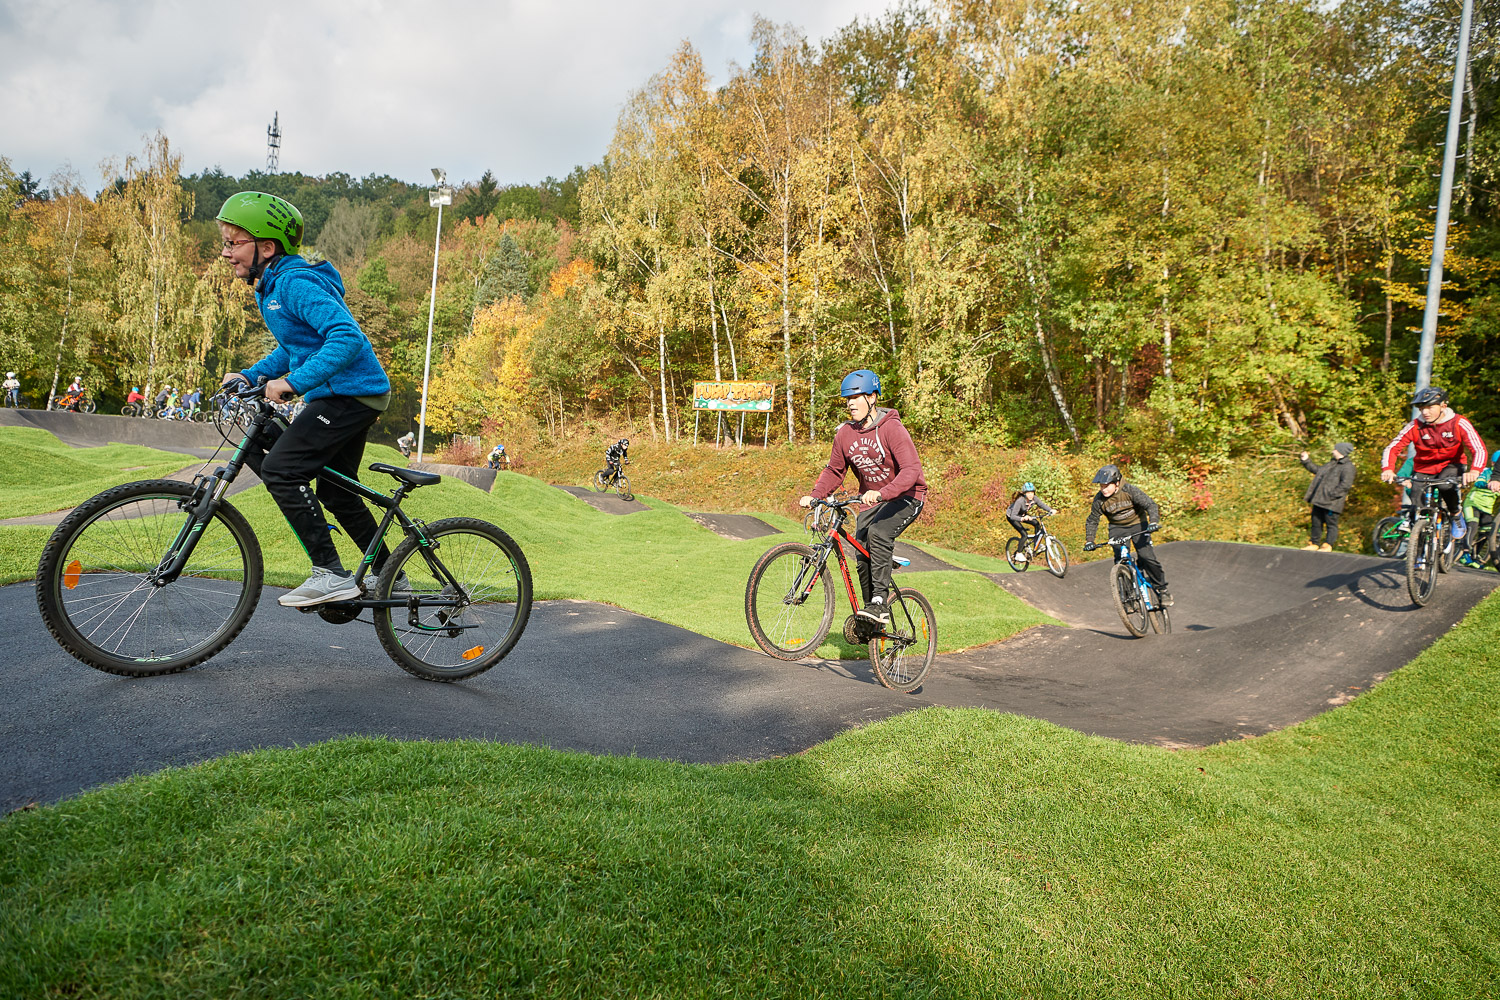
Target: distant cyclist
{"points": [[1129, 511], [880, 451], [1441, 437], [1020, 514], [194, 401], [497, 455], [12, 386], [406, 443], [74, 394], [136, 396], [616, 456]]}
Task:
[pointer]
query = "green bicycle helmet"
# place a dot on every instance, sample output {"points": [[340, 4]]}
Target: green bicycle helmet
{"points": [[266, 217]]}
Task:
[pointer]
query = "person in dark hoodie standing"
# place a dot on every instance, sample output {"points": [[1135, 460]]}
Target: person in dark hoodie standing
{"points": [[1130, 512], [323, 356], [889, 473], [1329, 489]]}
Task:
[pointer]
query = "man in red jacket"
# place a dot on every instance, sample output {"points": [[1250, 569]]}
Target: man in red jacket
{"points": [[880, 451], [1441, 437]]}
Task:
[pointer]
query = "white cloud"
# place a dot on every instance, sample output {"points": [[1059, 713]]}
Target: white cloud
{"points": [[522, 87]]}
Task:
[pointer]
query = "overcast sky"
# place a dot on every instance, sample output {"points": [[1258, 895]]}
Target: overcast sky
{"points": [[526, 88]]}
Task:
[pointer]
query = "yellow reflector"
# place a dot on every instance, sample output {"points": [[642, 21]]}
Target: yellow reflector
{"points": [[470, 654], [72, 573]]}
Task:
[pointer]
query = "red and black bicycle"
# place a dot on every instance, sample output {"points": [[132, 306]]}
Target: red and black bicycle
{"points": [[789, 604]]}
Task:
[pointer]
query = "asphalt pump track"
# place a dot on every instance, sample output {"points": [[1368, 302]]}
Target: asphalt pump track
{"points": [[1263, 637]]}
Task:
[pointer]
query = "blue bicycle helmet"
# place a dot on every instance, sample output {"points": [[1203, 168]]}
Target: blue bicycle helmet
{"points": [[1028, 487], [857, 383]]}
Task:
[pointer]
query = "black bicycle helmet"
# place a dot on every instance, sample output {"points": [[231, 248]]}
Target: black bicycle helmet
{"points": [[1107, 474], [1428, 396]]}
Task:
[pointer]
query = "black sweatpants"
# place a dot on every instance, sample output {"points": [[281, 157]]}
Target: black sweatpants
{"points": [[876, 530], [1145, 553], [1323, 516], [1026, 531], [329, 431]]}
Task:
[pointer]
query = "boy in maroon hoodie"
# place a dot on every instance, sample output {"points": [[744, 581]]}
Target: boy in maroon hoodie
{"points": [[880, 451]]}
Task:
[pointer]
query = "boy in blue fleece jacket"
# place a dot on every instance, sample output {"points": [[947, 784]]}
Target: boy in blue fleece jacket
{"points": [[323, 356]]}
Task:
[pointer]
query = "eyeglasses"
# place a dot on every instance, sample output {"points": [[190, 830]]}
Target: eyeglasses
{"points": [[231, 244]]}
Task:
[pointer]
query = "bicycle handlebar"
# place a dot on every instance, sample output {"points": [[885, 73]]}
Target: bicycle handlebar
{"points": [[1410, 481]]}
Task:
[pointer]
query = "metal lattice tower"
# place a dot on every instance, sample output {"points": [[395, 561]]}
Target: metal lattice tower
{"points": [[273, 143]]}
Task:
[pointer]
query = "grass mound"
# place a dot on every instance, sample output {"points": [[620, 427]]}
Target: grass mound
{"points": [[952, 853], [657, 563], [40, 474]]}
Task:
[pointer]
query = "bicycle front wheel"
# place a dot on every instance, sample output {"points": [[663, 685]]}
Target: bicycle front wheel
{"points": [[1057, 557], [1387, 536], [96, 591], [1447, 545], [1421, 563], [903, 653], [469, 595], [622, 487], [87, 406], [1161, 621], [1127, 595], [789, 601]]}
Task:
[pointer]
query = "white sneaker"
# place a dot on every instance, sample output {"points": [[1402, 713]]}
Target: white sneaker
{"points": [[323, 587], [401, 586]]}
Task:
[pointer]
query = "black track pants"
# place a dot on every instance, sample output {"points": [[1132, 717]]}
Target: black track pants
{"points": [[876, 530], [1145, 553], [1323, 516], [329, 431]]}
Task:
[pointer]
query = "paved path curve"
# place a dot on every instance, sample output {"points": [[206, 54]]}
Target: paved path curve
{"points": [[1264, 638]]}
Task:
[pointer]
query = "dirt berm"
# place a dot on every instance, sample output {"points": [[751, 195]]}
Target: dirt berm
{"points": [[1262, 637]]}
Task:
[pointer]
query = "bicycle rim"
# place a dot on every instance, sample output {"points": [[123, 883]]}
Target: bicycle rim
{"points": [[1014, 556], [1057, 557], [1127, 597], [98, 600], [789, 602], [479, 566], [622, 487], [903, 654]]}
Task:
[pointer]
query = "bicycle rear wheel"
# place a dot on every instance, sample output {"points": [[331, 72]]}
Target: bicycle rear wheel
{"points": [[1421, 563], [903, 653], [1057, 557], [789, 601], [1161, 621], [480, 567], [96, 591], [1127, 595], [601, 482], [1447, 544], [1015, 554]]}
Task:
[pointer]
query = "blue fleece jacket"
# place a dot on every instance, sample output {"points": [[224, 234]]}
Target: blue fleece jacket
{"points": [[322, 351]]}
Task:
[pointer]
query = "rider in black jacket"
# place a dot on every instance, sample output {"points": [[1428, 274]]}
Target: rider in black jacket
{"points": [[1129, 512]]}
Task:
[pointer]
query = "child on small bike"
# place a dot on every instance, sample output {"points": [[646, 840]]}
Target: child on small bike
{"points": [[1129, 512], [880, 451], [1019, 514], [1441, 437], [324, 356], [12, 387]]}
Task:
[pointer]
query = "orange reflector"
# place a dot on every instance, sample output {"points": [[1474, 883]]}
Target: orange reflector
{"points": [[72, 573], [470, 654]]}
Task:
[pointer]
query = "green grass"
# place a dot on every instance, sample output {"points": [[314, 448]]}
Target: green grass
{"points": [[657, 563], [40, 474], [940, 853]]}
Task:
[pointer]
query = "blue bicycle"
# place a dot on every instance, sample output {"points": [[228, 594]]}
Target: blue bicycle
{"points": [[1134, 594]]}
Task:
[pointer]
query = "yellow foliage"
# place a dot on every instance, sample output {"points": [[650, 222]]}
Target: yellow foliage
{"points": [[486, 375], [573, 273]]}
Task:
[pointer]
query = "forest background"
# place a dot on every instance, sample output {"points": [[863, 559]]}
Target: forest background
{"points": [[1183, 237]]}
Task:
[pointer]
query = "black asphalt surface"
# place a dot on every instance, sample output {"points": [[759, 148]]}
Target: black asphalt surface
{"points": [[1263, 638]]}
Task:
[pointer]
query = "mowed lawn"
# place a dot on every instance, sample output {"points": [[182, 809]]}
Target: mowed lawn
{"points": [[940, 853], [657, 563], [40, 474]]}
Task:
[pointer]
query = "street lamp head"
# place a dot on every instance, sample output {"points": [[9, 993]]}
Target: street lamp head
{"points": [[440, 175]]}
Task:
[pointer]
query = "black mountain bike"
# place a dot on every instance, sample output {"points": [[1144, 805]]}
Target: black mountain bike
{"points": [[789, 604], [1431, 547], [614, 477], [157, 576]]}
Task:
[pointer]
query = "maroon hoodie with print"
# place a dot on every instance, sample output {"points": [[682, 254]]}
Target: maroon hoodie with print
{"points": [[883, 459]]}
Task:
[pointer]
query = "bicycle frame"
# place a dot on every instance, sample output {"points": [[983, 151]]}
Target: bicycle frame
{"points": [[833, 542], [210, 494]]}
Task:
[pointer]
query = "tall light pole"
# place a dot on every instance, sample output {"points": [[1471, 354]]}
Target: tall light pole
{"points": [[436, 198], [1445, 195]]}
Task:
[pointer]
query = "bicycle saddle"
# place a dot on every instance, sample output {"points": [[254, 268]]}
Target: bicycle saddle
{"points": [[412, 476]]}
